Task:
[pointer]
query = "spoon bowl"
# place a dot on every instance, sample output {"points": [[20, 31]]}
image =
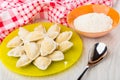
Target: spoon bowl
{"points": [[98, 53]]}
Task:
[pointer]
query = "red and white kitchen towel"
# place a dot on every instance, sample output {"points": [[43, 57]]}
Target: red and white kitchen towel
{"points": [[16, 13]]}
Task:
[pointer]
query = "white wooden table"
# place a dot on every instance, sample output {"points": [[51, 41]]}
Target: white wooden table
{"points": [[108, 69]]}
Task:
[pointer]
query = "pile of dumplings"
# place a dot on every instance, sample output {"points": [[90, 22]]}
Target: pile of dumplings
{"points": [[39, 47]]}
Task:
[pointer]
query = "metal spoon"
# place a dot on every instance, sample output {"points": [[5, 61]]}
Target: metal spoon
{"points": [[99, 52]]}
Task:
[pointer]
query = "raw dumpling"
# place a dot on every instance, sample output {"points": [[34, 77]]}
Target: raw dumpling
{"points": [[16, 52], [39, 41], [32, 50], [34, 36], [23, 61], [53, 35], [42, 63], [56, 56], [64, 36], [16, 41], [53, 31], [64, 46], [48, 45], [55, 28], [23, 33], [40, 29]]}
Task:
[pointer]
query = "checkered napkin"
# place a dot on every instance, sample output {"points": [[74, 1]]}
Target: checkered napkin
{"points": [[16, 13]]}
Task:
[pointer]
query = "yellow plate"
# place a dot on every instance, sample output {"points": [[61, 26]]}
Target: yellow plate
{"points": [[71, 56]]}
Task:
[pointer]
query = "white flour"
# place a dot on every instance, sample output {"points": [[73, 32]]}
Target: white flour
{"points": [[93, 22]]}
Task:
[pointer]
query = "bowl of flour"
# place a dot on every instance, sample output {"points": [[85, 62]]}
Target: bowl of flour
{"points": [[93, 20]]}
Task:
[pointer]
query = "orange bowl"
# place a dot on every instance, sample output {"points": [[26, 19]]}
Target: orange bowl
{"points": [[91, 9]]}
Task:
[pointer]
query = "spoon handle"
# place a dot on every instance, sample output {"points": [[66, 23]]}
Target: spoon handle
{"points": [[86, 68]]}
